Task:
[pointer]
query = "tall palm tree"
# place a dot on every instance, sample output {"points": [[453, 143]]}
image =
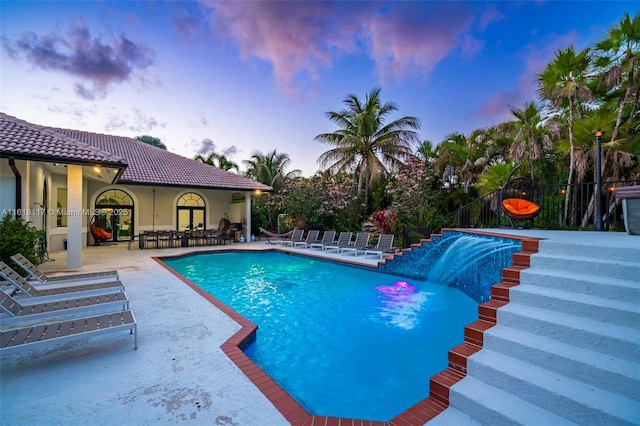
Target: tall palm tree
{"points": [[530, 137], [217, 160], [365, 143], [619, 56], [564, 82], [270, 168]]}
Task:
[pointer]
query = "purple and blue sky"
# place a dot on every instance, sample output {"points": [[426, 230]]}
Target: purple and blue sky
{"points": [[241, 76]]}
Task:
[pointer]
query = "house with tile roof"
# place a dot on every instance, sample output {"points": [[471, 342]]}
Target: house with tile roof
{"points": [[63, 181]]}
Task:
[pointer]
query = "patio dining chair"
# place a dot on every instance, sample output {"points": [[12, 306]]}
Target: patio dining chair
{"points": [[38, 275], [79, 289]]}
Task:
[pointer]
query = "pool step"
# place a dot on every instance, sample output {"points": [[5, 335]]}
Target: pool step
{"points": [[621, 312], [592, 284], [565, 347], [599, 336], [556, 393], [497, 407], [605, 371], [601, 267]]}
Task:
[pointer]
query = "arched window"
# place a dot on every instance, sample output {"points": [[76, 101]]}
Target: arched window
{"points": [[114, 214], [191, 210]]}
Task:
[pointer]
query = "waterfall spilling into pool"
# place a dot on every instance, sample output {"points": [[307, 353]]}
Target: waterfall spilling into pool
{"points": [[471, 263]]}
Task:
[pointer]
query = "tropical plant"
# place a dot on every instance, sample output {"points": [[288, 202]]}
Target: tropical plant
{"points": [[530, 137], [619, 56], [270, 168], [19, 236], [217, 160], [564, 82], [365, 143], [151, 141]]}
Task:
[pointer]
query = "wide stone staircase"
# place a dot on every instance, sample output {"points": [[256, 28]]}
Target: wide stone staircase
{"points": [[565, 348]]}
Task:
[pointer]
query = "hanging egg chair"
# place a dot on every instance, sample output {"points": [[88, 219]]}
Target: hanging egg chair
{"points": [[522, 199]]}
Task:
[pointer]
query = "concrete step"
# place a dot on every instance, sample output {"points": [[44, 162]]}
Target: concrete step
{"points": [[581, 264], [618, 312], [622, 252], [495, 407], [611, 339], [564, 396], [596, 285], [607, 372], [452, 416]]}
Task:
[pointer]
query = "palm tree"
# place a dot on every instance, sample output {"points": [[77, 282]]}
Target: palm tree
{"points": [[270, 168], [619, 56], [564, 82], [530, 137], [365, 144], [217, 160]]}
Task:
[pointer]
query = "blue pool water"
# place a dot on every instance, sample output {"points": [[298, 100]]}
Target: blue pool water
{"points": [[343, 341]]}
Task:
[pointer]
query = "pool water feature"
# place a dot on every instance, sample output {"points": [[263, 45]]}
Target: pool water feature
{"points": [[343, 341], [472, 263]]}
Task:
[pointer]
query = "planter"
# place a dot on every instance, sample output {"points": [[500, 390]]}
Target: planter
{"points": [[630, 196]]}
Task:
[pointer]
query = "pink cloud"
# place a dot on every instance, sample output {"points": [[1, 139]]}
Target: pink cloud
{"points": [[296, 38], [409, 42], [498, 107]]}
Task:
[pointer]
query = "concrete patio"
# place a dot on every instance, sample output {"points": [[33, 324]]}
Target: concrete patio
{"points": [[178, 374]]}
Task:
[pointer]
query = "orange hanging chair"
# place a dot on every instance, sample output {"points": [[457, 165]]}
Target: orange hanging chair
{"points": [[522, 199]]}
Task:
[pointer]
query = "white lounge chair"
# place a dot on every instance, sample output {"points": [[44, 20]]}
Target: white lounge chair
{"points": [[21, 311], [344, 240], [79, 289], [385, 245], [312, 237], [295, 237], [359, 245], [38, 275], [53, 332], [327, 239]]}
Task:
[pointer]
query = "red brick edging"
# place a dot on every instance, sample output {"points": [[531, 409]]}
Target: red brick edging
{"points": [[439, 385]]}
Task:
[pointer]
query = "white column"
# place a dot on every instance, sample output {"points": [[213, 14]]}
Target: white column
{"points": [[74, 218], [247, 202]]}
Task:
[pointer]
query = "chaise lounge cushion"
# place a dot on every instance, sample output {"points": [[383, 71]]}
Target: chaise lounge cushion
{"points": [[520, 207]]}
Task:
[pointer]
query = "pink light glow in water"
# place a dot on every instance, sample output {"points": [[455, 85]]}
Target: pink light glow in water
{"points": [[400, 288]]}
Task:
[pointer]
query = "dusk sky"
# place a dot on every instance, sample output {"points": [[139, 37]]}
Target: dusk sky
{"points": [[241, 76]]}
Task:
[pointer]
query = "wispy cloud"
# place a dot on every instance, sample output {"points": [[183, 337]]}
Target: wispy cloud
{"points": [[409, 42], [298, 39], [207, 146], [99, 63], [137, 121], [301, 40]]}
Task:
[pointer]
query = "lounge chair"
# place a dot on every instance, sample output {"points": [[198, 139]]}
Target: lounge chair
{"points": [[327, 239], [53, 332], [40, 276], [295, 237], [344, 240], [360, 244], [312, 237], [385, 245], [58, 291], [19, 312]]}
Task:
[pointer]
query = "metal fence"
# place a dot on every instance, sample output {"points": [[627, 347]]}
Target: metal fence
{"points": [[578, 214]]}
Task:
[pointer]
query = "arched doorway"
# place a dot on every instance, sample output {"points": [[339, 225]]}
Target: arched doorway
{"points": [[114, 214], [191, 210]]}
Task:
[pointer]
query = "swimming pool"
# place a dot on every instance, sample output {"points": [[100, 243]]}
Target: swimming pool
{"points": [[343, 341]]}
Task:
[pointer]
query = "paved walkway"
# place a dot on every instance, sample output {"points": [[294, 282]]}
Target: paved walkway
{"points": [[178, 374]]}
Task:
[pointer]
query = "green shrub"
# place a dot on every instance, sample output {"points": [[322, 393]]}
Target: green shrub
{"points": [[19, 236]]}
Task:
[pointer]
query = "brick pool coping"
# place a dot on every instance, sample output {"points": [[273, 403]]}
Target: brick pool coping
{"points": [[439, 385]]}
